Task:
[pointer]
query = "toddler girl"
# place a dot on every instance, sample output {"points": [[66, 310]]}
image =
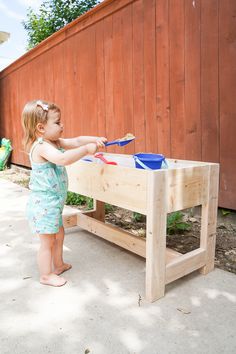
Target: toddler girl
{"points": [[49, 153]]}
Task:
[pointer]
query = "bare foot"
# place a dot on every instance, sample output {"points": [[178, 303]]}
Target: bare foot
{"points": [[52, 279], [62, 269]]}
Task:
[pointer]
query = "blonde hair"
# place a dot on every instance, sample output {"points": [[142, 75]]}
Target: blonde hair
{"points": [[33, 113]]}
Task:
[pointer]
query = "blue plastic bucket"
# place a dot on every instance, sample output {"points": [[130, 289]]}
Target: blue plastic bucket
{"points": [[148, 161]]}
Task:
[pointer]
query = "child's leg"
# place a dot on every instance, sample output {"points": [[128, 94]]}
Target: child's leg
{"points": [[45, 262], [59, 265]]}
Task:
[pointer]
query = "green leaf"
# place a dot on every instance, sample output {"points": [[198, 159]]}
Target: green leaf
{"points": [[138, 217], [225, 212], [52, 16], [183, 226], [175, 223]]}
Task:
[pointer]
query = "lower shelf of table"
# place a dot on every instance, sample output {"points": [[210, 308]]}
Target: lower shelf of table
{"points": [[177, 264]]}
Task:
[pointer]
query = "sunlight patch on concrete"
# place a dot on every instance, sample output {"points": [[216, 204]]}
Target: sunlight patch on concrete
{"points": [[195, 300], [131, 340], [214, 293], [146, 316]]}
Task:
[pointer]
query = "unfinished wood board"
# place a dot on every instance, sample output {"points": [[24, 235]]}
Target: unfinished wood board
{"points": [[154, 193], [120, 186]]}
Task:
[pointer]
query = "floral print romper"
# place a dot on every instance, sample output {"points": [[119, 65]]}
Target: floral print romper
{"points": [[48, 185]]}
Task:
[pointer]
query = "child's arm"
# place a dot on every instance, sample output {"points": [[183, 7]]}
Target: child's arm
{"points": [[80, 141], [51, 154]]}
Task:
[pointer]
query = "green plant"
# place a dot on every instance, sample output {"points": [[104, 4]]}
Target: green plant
{"points": [[89, 202], [225, 212], [108, 208], [175, 223], [75, 199], [51, 16], [138, 217]]}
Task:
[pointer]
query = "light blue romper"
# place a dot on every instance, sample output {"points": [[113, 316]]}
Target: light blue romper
{"points": [[48, 185]]}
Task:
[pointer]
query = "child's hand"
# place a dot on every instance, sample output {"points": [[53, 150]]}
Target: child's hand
{"points": [[92, 148], [101, 141]]}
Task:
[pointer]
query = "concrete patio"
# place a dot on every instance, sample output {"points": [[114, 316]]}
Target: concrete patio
{"points": [[101, 309]]}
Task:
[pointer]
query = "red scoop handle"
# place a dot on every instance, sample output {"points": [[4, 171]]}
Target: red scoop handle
{"points": [[102, 158]]}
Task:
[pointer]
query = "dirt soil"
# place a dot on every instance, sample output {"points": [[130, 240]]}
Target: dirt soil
{"points": [[183, 242]]}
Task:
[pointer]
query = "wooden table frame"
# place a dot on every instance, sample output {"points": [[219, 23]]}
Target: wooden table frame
{"points": [[155, 194]]}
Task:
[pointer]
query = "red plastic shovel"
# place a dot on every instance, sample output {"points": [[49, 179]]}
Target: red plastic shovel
{"points": [[102, 158]]}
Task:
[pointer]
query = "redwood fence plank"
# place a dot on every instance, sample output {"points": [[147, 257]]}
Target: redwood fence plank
{"points": [[177, 78], [161, 69], [128, 76], [210, 81], [227, 79], [163, 77], [118, 77], [101, 113], [108, 87], [138, 77], [150, 75], [192, 81]]}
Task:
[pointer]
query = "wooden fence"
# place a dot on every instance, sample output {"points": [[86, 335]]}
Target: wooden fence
{"points": [[163, 70]]}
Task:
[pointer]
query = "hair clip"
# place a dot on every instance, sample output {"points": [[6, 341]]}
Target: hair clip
{"points": [[42, 105]]}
